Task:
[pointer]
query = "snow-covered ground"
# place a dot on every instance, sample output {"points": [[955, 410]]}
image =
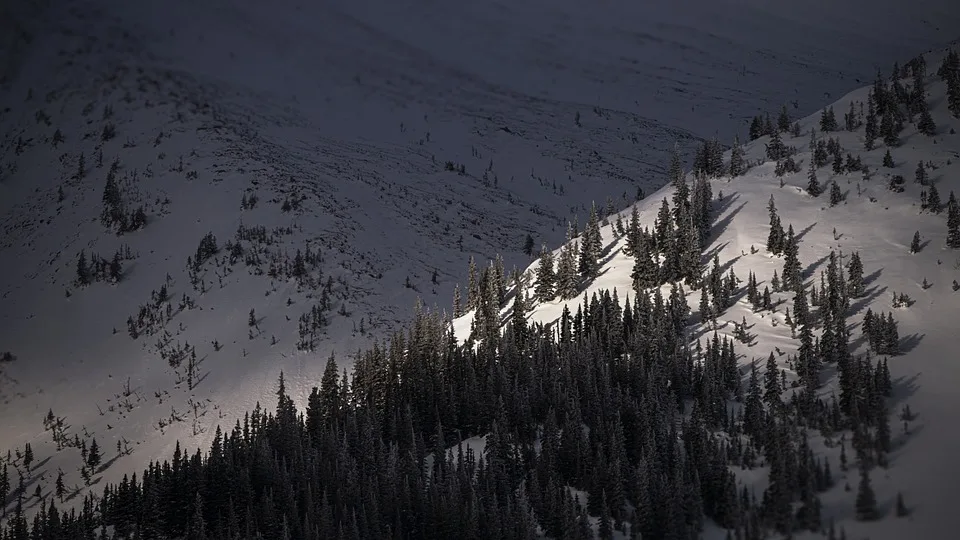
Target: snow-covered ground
{"points": [[879, 224], [354, 109]]}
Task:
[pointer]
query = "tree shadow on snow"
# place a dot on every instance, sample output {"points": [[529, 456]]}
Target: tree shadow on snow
{"points": [[804, 232], [910, 342], [708, 256], [721, 224], [871, 294], [811, 268], [872, 276]]}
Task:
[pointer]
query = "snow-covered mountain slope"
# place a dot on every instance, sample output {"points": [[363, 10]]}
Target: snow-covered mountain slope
{"points": [[340, 119], [879, 224]]}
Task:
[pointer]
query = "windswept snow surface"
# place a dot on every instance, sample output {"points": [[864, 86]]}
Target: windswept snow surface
{"points": [[349, 111], [879, 224]]}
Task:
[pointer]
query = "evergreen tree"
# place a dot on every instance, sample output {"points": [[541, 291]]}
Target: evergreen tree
{"points": [[836, 196], [775, 238], [870, 133], [888, 129], [921, 174], [566, 278], [866, 505], [83, 270], [813, 184], [776, 149], [953, 92], [933, 200], [545, 276], [592, 245], [925, 124], [457, 302], [528, 246], [738, 165], [783, 120], [93, 455], [953, 222], [915, 244], [888, 160]]}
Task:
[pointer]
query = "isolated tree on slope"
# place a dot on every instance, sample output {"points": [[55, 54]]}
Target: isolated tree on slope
{"points": [[737, 164], [855, 271], [813, 184], [776, 237], [546, 277], [866, 505], [836, 196], [953, 222]]}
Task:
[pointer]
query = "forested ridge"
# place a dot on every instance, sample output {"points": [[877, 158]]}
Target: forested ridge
{"points": [[615, 417]]}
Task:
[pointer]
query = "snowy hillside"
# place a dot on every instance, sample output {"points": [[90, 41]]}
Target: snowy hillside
{"points": [[382, 155], [873, 212]]}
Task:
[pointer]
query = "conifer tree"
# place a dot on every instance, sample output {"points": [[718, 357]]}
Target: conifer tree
{"points": [[644, 273], [473, 285], [783, 120], [546, 277], [457, 302], [870, 133], [915, 244], [953, 92], [933, 200], [888, 129], [836, 196], [83, 270], [866, 505], [776, 237], [888, 160], [953, 222], [790, 276], [925, 124], [566, 277], [737, 163], [813, 184], [921, 174], [776, 149], [93, 455], [591, 246]]}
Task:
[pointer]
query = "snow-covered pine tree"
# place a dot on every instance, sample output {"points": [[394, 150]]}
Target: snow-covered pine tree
{"points": [[591, 247], [776, 237], [457, 303], [566, 277], [776, 149], [813, 184], [546, 277], [836, 196], [737, 164]]}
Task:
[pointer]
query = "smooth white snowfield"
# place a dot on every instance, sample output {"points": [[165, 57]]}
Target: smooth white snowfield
{"points": [[356, 106], [879, 224]]}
